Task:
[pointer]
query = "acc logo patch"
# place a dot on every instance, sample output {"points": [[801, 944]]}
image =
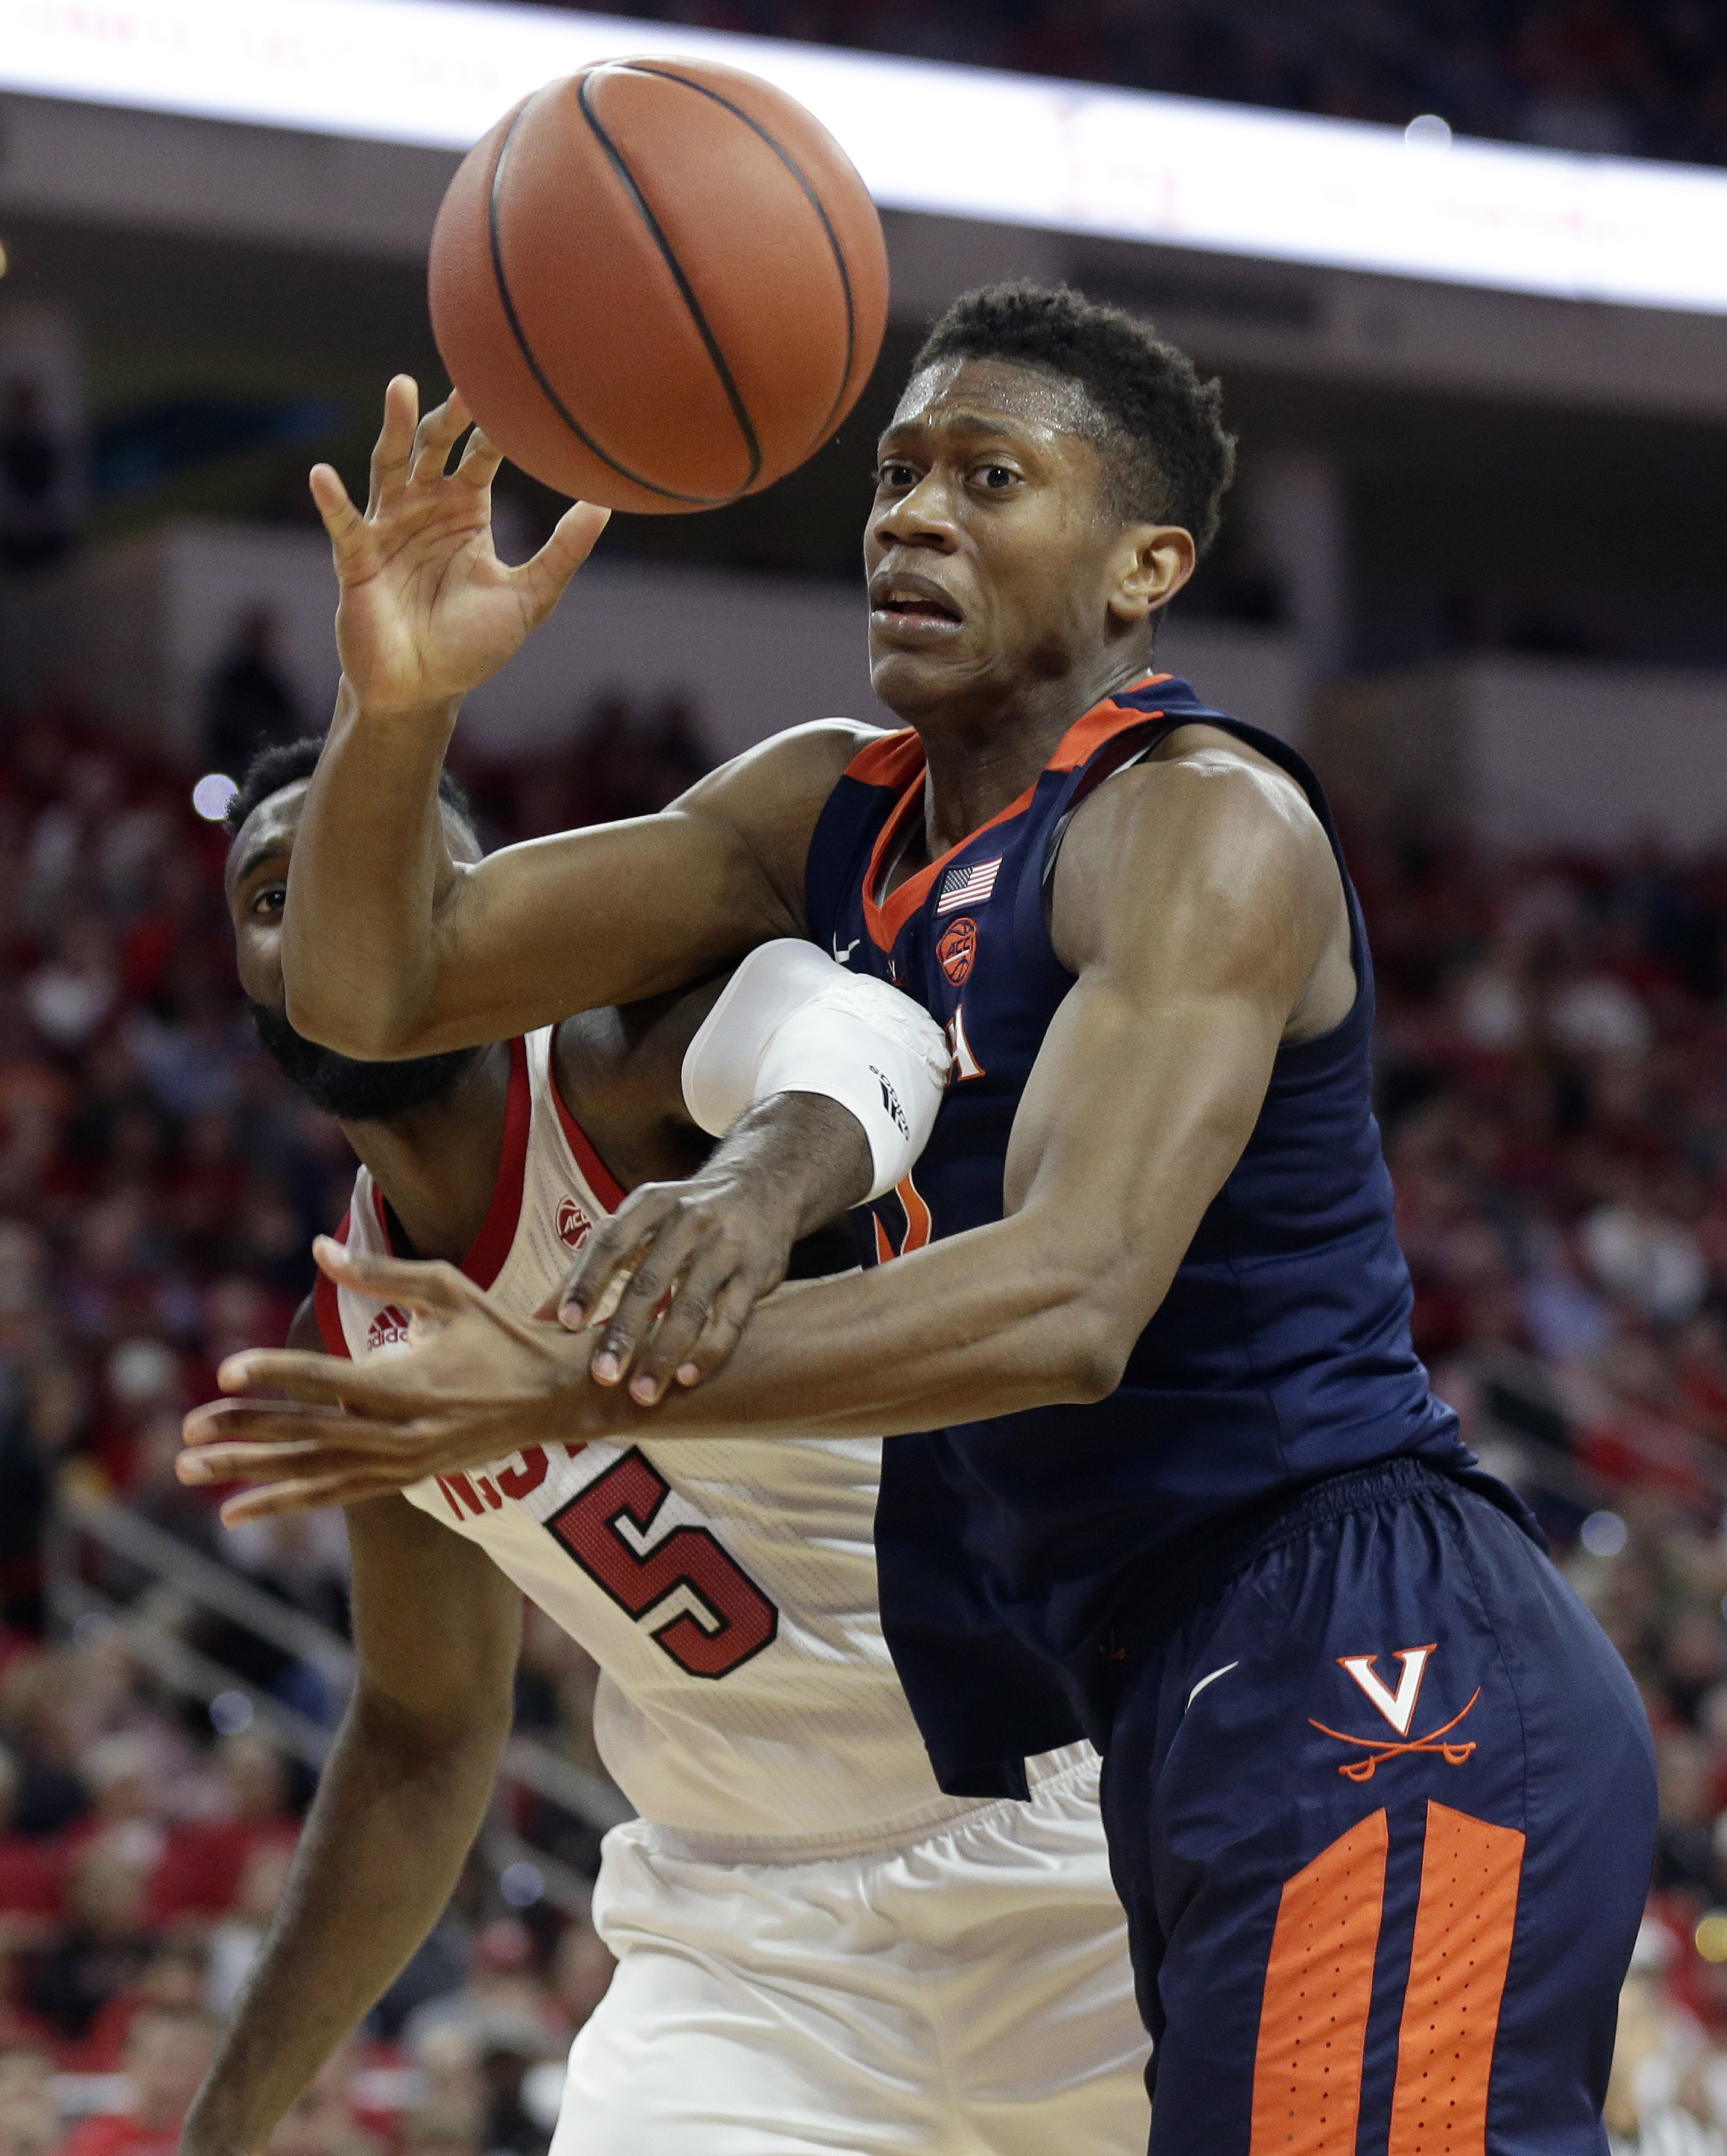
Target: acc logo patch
{"points": [[388, 1329], [573, 1225], [958, 949]]}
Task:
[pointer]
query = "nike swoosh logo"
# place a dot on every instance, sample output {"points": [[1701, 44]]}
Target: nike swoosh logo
{"points": [[1212, 1679]]}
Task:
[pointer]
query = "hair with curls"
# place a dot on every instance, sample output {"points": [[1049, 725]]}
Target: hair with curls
{"points": [[271, 769]]}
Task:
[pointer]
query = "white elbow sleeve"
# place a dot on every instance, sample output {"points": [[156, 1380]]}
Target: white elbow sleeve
{"points": [[792, 1020]]}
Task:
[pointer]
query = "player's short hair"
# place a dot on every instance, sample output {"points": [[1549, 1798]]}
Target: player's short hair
{"points": [[290, 761], [1167, 457]]}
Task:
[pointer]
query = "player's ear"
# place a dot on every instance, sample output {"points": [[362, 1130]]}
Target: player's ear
{"points": [[1150, 564]]}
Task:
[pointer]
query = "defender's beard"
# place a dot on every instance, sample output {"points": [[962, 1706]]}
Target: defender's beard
{"points": [[355, 1092]]}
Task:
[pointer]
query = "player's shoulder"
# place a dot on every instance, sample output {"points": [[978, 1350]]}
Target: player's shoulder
{"points": [[765, 805], [789, 775], [819, 752], [1205, 819], [1204, 787]]}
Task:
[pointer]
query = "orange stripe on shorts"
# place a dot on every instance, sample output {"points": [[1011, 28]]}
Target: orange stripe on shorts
{"points": [[1464, 1923], [1318, 1985]]}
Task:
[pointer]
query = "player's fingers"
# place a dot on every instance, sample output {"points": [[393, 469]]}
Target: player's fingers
{"points": [[349, 537], [730, 1314], [609, 1254], [274, 1497], [258, 1460], [220, 1451], [657, 1274], [435, 436], [480, 458], [425, 1287], [393, 451], [541, 578], [315, 1380], [685, 1321]]}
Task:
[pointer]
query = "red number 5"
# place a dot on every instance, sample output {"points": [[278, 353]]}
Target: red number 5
{"points": [[741, 1620]]}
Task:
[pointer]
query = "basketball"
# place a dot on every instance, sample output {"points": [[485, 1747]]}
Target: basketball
{"points": [[658, 285]]}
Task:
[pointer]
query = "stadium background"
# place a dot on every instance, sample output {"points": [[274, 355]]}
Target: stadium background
{"points": [[1474, 564]]}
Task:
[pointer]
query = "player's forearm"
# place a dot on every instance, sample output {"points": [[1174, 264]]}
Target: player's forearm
{"points": [[369, 870], [993, 1321], [385, 1845]]}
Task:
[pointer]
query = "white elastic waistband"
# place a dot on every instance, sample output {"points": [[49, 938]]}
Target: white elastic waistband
{"points": [[1071, 1763]]}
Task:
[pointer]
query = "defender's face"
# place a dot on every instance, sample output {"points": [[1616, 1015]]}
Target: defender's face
{"points": [[257, 887], [989, 550], [257, 884]]}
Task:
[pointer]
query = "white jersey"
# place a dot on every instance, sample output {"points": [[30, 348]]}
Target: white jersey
{"points": [[726, 1590]]}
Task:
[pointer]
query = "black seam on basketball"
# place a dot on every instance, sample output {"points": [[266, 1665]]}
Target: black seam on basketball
{"points": [[538, 372], [746, 425], [816, 203]]}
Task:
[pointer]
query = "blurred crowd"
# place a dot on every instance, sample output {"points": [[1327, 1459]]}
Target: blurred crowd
{"points": [[159, 1183], [1553, 1071], [1644, 77]]}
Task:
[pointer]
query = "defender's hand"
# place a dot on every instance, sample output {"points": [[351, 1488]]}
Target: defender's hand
{"points": [[473, 1385], [669, 1282], [697, 1255], [428, 610]]}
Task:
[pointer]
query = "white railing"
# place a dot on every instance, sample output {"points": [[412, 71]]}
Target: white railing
{"points": [[181, 1584]]}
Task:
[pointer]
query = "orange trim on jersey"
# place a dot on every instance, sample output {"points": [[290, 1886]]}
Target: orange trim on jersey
{"points": [[489, 1248], [1086, 736], [1318, 1989], [919, 1226], [1464, 1923], [889, 762], [917, 1220], [905, 766], [326, 1304], [599, 1177]]}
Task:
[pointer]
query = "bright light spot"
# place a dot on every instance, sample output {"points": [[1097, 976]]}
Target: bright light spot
{"points": [[1603, 1534], [1712, 1936], [1427, 131], [4, 264], [212, 794], [521, 1885], [230, 1712], [542, 2093]]}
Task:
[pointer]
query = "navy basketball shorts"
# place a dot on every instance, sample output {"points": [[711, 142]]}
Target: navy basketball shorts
{"points": [[1381, 1814]]}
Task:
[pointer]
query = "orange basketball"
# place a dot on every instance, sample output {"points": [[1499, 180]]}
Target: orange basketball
{"points": [[659, 285]]}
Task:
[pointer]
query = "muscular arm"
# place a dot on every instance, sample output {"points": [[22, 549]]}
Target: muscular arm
{"points": [[390, 949], [1198, 902], [399, 1803]]}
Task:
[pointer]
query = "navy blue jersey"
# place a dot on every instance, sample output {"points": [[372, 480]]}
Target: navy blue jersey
{"points": [[1014, 1551]]}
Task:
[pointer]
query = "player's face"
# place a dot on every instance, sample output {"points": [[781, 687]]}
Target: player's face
{"points": [[257, 884], [993, 558]]}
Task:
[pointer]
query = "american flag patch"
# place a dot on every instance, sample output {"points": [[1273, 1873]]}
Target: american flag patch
{"points": [[968, 886]]}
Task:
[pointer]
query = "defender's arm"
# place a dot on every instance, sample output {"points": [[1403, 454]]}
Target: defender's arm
{"points": [[435, 1628], [1198, 902]]}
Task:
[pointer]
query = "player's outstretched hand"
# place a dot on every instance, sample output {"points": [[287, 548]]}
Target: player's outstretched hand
{"points": [[473, 1385], [427, 611]]}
